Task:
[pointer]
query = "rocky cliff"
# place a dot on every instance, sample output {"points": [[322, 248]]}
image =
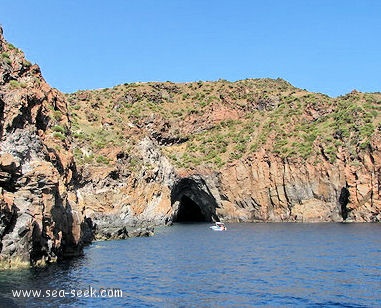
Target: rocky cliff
{"points": [[40, 217], [141, 154], [265, 187], [252, 150]]}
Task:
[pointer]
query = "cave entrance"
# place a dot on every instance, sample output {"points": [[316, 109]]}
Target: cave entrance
{"points": [[192, 201], [189, 211]]}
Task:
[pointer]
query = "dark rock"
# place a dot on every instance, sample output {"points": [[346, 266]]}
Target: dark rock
{"points": [[36, 179], [22, 231], [9, 163], [141, 232]]}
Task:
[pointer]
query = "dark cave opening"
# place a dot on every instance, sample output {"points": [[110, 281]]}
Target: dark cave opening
{"points": [[343, 201], [193, 201], [189, 211]]}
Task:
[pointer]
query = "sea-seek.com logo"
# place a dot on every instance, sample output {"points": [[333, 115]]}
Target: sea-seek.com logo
{"points": [[87, 292]]}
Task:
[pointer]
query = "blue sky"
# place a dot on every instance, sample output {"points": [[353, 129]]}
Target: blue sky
{"points": [[328, 46]]}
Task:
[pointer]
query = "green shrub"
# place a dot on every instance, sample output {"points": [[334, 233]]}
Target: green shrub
{"points": [[79, 135], [59, 135], [88, 159], [102, 160], [11, 46], [5, 57], [26, 63], [57, 115], [59, 129], [14, 84]]}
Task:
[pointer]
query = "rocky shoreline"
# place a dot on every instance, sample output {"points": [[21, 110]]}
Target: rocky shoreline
{"points": [[111, 227], [56, 196]]}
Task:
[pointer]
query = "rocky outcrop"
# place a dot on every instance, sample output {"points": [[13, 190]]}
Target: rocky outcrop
{"points": [[262, 187], [267, 188], [115, 198], [109, 229], [40, 219], [254, 150]]}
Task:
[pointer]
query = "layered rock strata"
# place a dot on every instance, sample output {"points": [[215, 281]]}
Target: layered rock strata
{"points": [[261, 188], [267, 188]]}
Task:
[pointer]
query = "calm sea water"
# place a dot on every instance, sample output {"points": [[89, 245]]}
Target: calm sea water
{"points": [[188, 265]]}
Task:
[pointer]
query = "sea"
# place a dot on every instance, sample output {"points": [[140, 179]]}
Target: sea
{"points": [[190, 265]]}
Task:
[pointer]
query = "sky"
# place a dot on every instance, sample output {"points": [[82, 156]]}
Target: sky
{"points": [[326, 46]]}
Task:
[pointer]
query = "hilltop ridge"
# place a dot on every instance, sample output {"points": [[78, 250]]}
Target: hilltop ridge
{"points": [[260, 109]]}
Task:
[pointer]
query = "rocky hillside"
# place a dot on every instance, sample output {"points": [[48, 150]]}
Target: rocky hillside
{"points": [[40, 218], [251, 150], [156, 153]]}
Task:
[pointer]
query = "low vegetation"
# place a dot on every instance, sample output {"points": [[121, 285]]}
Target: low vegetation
{"points": [[215, 123]]}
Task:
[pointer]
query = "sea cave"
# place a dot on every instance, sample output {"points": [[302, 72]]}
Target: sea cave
{"points": [[192, 201]]}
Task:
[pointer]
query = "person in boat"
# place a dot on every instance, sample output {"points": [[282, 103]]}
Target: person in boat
{"points": [[218, 226], [221, 225]]}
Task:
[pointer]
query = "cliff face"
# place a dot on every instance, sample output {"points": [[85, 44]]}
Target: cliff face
{"points": [[40, 219], [116, 197], [253, 150], [262, 187], [267, 188], [156, 153]]}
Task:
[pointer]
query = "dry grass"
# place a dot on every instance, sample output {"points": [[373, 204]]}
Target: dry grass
{"points": [[219, 122]]}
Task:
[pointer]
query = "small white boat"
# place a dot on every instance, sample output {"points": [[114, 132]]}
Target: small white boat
{"points": [[219, 226]]}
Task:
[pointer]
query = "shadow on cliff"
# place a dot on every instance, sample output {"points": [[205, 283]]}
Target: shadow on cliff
{"points": [[192, 201], [75, 233]]}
